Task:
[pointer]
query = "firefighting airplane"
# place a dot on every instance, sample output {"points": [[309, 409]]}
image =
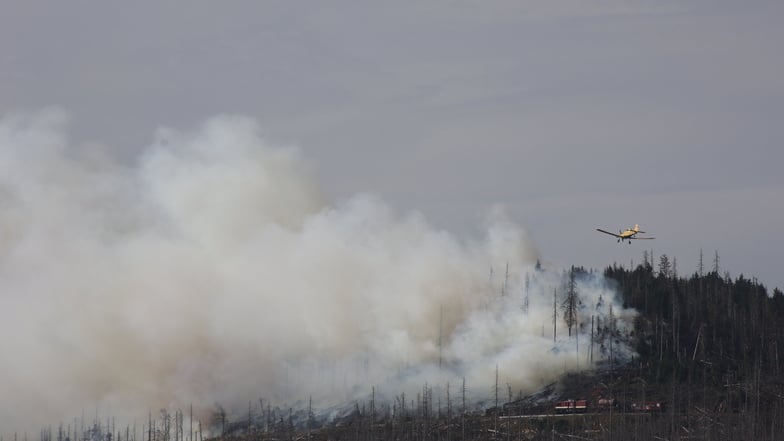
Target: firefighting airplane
{"points": [[628, 234]]}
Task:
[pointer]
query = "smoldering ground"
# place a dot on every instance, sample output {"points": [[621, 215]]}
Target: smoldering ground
{"points": [[211, 270]]}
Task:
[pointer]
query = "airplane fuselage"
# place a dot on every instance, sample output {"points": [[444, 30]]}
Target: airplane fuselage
{"points": [[627, 234]]}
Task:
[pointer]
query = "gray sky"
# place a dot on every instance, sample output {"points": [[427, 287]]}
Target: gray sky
{"points": [[572, 114]]}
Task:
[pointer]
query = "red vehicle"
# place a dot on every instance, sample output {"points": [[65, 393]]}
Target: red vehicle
{"points": [[571, 406]]}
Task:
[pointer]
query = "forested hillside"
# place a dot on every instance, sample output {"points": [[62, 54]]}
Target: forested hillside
{"points": [[708, 351], [708, 343], [708, 325], [707, 367]]}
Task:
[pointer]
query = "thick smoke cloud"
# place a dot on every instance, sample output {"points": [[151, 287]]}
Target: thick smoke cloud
{"points": [[212, 270]]}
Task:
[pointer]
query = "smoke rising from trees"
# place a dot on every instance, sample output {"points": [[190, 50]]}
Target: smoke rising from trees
{"points": [[212, 270]]}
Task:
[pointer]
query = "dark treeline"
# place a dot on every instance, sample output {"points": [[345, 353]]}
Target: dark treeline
{"points": [[708, 344], [707, 327]]}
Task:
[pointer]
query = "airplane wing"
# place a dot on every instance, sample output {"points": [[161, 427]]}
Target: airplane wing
{"points": [[641, 238], [607, 232]]}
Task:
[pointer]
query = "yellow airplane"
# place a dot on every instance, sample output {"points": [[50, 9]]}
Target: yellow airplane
{"points": [[628, 234]]}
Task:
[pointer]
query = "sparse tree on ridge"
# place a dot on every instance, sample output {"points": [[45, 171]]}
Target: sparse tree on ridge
{"points": [[716, 263], [571, 302], [664, 266]]}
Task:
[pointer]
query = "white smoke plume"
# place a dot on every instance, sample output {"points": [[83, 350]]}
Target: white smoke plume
{"points": [[212, 270]]}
